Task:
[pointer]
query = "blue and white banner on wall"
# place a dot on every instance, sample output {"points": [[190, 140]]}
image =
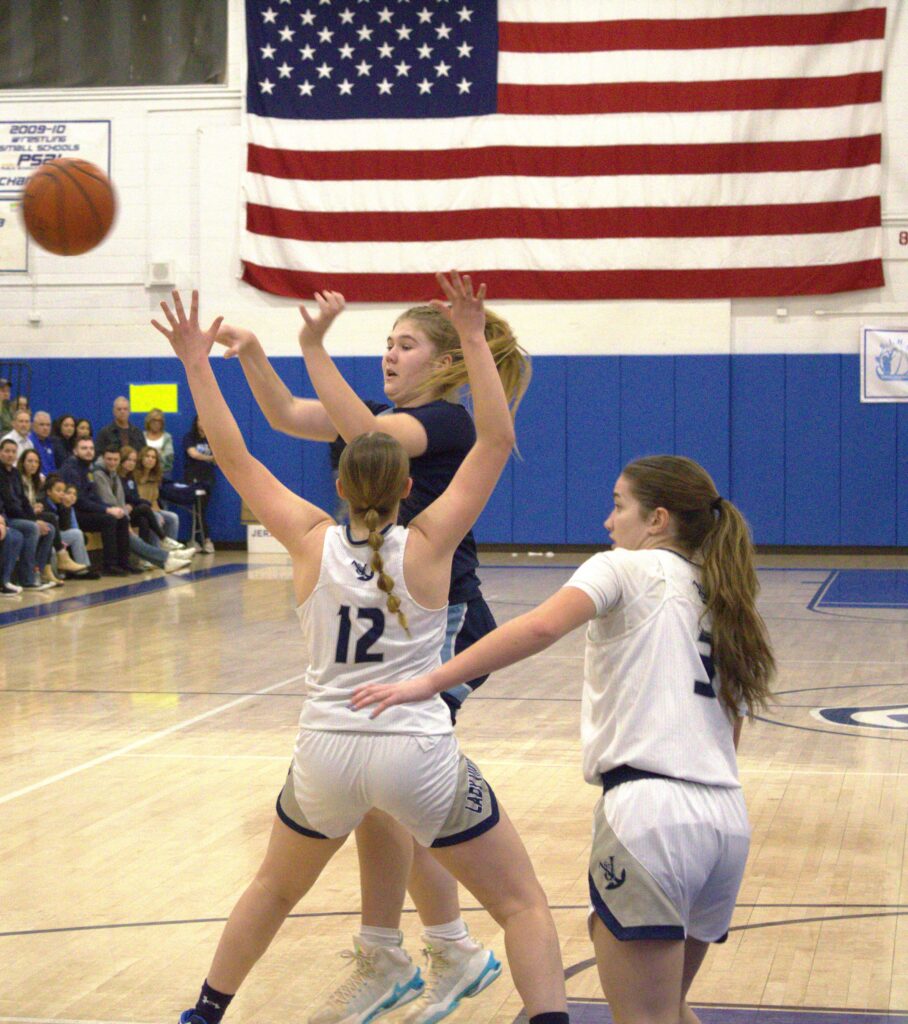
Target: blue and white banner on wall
{"points": [[26, 145], [13, 247], [884, 365]]}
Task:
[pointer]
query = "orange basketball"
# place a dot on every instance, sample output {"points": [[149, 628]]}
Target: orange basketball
{"points": [[69, 206]]}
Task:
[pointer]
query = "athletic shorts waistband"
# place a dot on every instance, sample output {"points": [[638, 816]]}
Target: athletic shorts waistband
{"points": [[625, 773]]}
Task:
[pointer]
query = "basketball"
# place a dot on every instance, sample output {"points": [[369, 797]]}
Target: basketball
{"points": [[69, 206]]}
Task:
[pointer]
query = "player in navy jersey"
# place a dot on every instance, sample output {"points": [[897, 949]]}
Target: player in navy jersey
{"points": [[372, 603], [676, 654], [423, 373]]}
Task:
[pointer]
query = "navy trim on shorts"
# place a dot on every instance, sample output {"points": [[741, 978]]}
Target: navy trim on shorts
{"points": [[626, 773], [292, 824], [476, 830], [645, 931]]}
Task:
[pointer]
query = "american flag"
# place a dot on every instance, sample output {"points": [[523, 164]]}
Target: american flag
{"points": [[567, 149]]}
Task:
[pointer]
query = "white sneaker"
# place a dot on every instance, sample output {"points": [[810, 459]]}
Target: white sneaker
{"points": [[208, 547], [174, 563], [384, 978], [170, 544], [457, 970], [186, 551]]}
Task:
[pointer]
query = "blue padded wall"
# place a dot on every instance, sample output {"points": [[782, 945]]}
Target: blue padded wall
{"points": [[785, 437]]}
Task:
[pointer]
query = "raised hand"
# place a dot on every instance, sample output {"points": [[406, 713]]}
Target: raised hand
{"points": [[464, 309], [386, 695], [234, 339], [330, 306], [187, 339]]}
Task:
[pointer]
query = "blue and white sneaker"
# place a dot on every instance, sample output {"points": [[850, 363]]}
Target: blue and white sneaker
{"points": [[384, 978], [457, 970], [191, 1017]]}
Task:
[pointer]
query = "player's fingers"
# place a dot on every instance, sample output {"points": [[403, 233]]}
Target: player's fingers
{"points": [[171, 319], [467, 285], [194, 307], [445, 284], [216, 325], [167, 334], [178, 305], [481, 294]]}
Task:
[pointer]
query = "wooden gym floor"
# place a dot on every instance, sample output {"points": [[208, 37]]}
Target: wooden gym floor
{"points": [[146, 730]]}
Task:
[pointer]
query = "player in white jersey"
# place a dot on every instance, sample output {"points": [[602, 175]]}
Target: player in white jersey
{"points": [[372, 600], [676, 654], [424, 379]]}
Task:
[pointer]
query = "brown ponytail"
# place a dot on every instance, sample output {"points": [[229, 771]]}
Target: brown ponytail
{"points": [[710, 525], [373, 471]]}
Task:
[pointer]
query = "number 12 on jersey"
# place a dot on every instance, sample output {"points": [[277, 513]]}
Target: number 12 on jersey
{"points": [[372, 635]]}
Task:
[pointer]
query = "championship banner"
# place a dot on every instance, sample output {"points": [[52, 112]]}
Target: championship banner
{"points": [[13, 244], [884, 365], [24, 147]]}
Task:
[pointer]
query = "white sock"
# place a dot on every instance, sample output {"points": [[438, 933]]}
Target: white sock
{"points": [[370, 936], [453, 931]]}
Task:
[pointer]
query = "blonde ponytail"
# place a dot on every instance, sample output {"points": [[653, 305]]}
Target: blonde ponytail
{"points": [[448, 379]]}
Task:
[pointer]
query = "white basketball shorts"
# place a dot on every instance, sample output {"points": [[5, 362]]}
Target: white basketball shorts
{"points": [[424, 782], [667, 859]]}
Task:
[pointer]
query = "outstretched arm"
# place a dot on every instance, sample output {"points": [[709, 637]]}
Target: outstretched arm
{"points": [[284, 514], [300, 417], [347, 411], [520, 638], [445, 522]]}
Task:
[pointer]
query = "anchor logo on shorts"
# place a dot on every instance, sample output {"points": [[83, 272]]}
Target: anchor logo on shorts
{"points": [[362, 571], [612, 880]]}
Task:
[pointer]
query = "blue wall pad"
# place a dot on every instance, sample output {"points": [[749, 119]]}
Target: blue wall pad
{"points": [[785, 437]]}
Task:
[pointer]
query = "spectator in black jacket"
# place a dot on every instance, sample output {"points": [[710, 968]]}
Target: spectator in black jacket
{"points": [[110, 520], [119, 431], [38, 536], [63, 437], [11, 542]]}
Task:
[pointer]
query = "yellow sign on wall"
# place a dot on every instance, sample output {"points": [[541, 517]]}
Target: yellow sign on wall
{"points": [[143, 397]]}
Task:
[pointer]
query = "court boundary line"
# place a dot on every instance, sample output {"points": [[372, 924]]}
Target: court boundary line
{"points": [[144, 741]]}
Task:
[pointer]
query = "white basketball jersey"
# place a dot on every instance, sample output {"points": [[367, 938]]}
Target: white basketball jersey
{"points": [[649, 695], [354, 639]]}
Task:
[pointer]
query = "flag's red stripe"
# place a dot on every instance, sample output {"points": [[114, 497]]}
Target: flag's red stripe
{"points": [[564, 161], [625, 222], [677, 97], [576, 285], [692, 33]]}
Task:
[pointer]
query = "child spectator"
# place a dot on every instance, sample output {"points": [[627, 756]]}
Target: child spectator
{"points": [[53, 509], [72, 532]]}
